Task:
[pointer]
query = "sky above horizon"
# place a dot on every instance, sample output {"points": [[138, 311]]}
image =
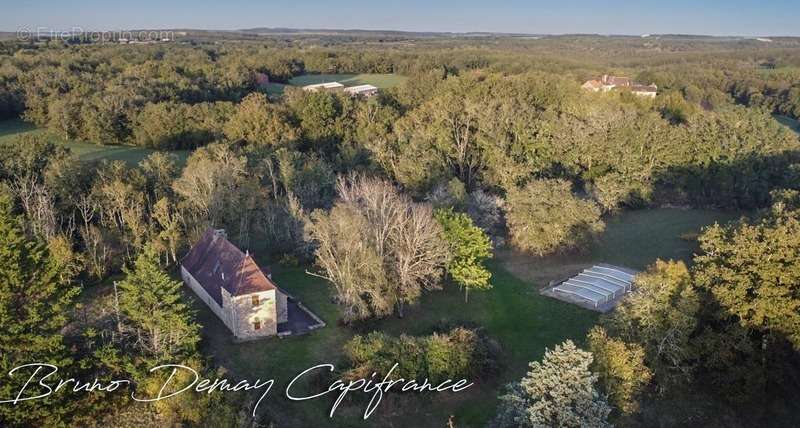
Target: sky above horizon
{"points": [[732, 17]]}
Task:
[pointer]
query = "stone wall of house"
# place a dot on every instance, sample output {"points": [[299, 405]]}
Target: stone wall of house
{"points": [[201, 293], [239, 314], [283, 307], [244, 314]]}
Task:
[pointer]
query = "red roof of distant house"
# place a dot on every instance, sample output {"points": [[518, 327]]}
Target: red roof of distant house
{"points": [[592, 84], [216, 264], [615, 80], [261, 79]]}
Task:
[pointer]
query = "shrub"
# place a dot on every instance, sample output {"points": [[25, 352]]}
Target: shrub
{"points": [[458, 353]]}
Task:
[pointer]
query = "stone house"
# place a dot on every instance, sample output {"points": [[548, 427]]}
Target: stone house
{"points": [[606, 83], [236, 289]]}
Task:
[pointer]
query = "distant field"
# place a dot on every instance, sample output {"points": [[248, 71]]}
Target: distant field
{"points": [[383, 81], [380, 80], [11, 129], [788, 122]]}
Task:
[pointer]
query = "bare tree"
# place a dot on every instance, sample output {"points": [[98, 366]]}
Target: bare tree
{"points": [[349, 263], [377, 247], [38, 205], [418, 255], [87, 209], [169, 221], [217, 190]]}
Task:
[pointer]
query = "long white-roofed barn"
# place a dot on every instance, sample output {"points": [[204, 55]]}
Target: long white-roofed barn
{"points": [[365, 91], [322, 87]]}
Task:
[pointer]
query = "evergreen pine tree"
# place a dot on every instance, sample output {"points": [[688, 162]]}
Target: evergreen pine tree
{"points": [[559, 391], [161, 325], [35, 300]]}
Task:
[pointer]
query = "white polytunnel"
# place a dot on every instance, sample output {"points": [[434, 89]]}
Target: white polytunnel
{"points": [[598, 285]]}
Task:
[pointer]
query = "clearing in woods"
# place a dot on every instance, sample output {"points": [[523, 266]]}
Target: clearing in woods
{"points": [[12, 129]]}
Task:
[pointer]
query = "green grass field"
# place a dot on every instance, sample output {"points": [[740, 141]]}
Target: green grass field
{"points": [[633, 239], [382, 81], [11, 129], [788, 122], [523, 322]]}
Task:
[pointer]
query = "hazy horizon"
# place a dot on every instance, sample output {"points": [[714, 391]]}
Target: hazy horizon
{"points": [[744, 18]]}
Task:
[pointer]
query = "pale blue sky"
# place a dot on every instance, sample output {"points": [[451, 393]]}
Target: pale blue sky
{"points": [[731, 17]]}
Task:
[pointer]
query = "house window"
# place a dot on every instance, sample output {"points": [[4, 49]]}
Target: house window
{"points": [[256, 325], [255, 300]]}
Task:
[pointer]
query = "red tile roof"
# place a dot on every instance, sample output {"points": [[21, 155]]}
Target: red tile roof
{"points": [[592, 84], [216, 264], [261, 79], [615, 80]]}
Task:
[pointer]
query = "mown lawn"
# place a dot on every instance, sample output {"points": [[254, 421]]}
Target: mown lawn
{"points": [[11, 129], [633, 239], [382, 81], [520, 320]]}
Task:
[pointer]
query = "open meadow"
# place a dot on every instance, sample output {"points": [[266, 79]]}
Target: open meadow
{"points": [[14, 128], [382, 81]]}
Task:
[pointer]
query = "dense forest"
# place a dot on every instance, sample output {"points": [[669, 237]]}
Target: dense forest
{"points": [[489, 143]]}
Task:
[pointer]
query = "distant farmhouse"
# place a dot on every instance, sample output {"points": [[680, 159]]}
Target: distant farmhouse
{"points": [[607, 83], [246, 299], [365, 91]]}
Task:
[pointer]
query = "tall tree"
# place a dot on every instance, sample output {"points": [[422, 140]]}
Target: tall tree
{"points": [[256, 121], [353, 267], [661, 315], [394, 243], [621, 369], [161, 325], [216, 189], [35, 300], [559, 391], [545, 217], [753, 270], [469, 248]]}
